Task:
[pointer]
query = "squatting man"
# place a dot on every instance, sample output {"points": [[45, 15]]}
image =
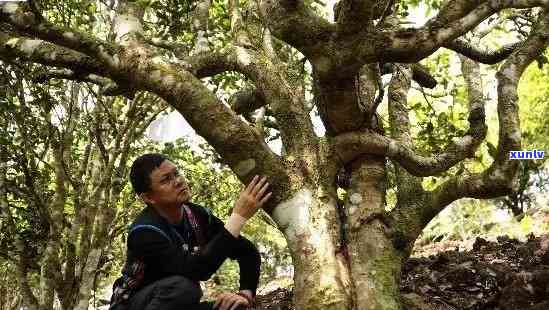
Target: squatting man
{"points": [[173, 244]]}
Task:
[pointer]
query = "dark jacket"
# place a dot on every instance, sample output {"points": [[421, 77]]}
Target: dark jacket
{"points": [[165, 249]]}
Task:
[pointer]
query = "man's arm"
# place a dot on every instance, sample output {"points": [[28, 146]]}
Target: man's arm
{"points": [[247, 256], [249, 261], [164, 258]]}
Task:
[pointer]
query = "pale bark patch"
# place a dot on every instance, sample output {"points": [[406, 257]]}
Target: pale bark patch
{"points": [[116, 60], [68, 35], [509, 72], [463, 142], [509, 89], [515, 136], [201, 42], [126, 24], [293, 215], [243, 56], [156, 75], [356, 198], [392, 148], [244, 167], [9, 7], [352, 209], [28, 46], [12, 43], [157, 60]]}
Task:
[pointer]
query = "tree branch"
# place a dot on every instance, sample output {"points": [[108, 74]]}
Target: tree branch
{"points": [[27, 22], [420, 74], [209, 64], [237, 142], [352, 144], [271, 84], [128, 23], [500, 178], [180, 50], [353, 15], [7, 218], [45, 53], [412, 196], [238, 32], [293, 22], [199, 25], [68, 74], [483, 56], [400, 123], [412, 45], [267, 44], [247, 101], [22, 272], [409, 187]]}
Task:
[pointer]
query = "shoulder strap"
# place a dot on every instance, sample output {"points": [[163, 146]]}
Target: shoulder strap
{"points": [[151, 227], [204, 212], [195, 225]]}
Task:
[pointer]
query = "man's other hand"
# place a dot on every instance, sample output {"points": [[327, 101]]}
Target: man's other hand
{"points": [[231, 301]]}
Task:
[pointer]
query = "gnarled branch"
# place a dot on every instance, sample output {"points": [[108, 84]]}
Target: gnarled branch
{"points": [[400, 125], [200, 26], [353, 15], [500, 178], [247, 101], [48, 54], [420, 74], [293, 22], [412, 45], [27, 22], [350, 145], [486, 57], [288, 107], [68, 74]]}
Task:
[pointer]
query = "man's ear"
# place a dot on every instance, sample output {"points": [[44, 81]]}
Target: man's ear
{"points": [[146, 198]]}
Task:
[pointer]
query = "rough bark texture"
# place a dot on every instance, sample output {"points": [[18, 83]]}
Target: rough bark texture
{"points": [[347, 254]]}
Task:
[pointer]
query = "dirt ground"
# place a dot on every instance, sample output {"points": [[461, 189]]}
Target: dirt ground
{"points": [[502, 275]]}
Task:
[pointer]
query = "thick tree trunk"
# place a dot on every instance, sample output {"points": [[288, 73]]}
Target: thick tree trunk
{"points": [[309, 221], [332, 270], [345, 256], [374, 262]]}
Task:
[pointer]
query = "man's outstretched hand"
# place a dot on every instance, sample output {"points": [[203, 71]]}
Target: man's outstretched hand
{"points": [[252, 197], [230, 301], [247, 204]]}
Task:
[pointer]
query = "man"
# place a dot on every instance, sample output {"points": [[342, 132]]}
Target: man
{"points": [[173, 244]]}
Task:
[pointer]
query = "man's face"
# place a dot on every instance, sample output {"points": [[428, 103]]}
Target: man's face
{"points": [[168, 187]]}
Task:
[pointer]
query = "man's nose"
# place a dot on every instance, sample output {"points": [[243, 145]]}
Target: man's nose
{"points": [[179, 180]]}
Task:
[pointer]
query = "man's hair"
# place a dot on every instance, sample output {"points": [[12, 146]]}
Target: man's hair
{"points": [[142, 167]]}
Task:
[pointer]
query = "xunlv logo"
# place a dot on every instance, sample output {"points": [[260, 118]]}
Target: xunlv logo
{"points": [[533, 154]]}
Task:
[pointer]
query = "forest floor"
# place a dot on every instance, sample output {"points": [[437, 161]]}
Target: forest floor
{"points": [[501, 275]]}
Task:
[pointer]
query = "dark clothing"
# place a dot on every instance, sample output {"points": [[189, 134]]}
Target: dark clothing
{"points": [[163, 250], [175, 292]]}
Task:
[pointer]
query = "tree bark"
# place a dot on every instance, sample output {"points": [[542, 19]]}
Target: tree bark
{"points": [[347, 255], [309, 221]]}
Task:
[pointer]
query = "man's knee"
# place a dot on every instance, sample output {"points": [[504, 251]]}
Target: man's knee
{"points": [[177, 291]]}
